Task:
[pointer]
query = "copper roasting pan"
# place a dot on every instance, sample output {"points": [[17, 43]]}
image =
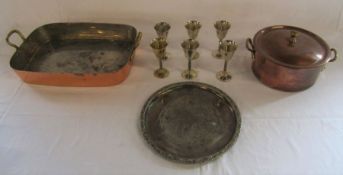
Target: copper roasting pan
{"points": [[75, 54]]}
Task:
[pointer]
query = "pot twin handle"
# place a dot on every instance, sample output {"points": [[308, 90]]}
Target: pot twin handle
{"points": [[335, 55], [250, 46], [9, 36]]}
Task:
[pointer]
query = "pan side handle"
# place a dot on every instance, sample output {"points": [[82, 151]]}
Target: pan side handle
{"points": [[250, 46], [136, 44], [9, 36], [335, 55], [138, 39]]}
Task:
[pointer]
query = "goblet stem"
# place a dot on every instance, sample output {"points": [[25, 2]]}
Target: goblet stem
{"points": [[190, 59], [160, 63], [189, 64], [216, 53], [227, 58], [225, 65], [220, 42]]}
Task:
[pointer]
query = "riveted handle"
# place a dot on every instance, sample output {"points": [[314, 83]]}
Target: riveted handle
{"points": [[250, 46], [9, 36], [335, 55]]}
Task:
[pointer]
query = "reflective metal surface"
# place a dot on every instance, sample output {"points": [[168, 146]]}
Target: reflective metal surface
{"points": [[190, 122], [189, 47], [292, 46], [222, 27], [76, 54], [162, 29], [227, 48], [288, 58], [159, 45], [193, 27]]}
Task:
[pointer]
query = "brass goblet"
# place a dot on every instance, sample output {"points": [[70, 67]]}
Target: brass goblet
{"points": [[193, 27], [159, 45], [222, 28], [162, 29], [227, 49], [189, 47]]}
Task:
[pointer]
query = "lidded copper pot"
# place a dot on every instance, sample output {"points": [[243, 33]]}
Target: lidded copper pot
{"points": [[288, 58]]}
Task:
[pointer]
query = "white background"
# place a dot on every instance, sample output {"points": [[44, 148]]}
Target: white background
{"points": [[55, 130]]}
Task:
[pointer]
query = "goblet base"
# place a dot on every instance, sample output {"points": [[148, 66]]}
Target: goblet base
{"points": [[189, 74], [223, 76], [161, 73]]}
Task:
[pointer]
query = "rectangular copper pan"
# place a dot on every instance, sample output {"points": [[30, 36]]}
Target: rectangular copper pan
{"points": [[75, 54]]}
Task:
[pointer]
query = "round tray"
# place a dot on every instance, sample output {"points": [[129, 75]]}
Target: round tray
{"points": [[190, 122]]}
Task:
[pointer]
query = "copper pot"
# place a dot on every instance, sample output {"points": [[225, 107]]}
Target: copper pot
{"points": [[288, 58]]}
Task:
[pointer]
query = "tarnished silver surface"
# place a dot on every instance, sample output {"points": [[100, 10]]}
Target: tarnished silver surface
{"points": [[190, 122]]}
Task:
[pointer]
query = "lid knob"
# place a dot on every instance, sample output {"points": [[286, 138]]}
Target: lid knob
{"points": [[293, 38]]}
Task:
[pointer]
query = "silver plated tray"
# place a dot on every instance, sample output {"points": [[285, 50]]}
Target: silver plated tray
{"points": [[190, 122]]}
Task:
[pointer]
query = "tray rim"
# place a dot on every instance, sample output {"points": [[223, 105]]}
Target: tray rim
{"points": [[174, 158]]}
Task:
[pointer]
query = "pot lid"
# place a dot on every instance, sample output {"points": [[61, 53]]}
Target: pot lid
{"points": [[292, 46]]}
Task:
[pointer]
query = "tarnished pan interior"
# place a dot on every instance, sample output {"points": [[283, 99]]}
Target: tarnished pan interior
{"points": [[78, 48]]}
